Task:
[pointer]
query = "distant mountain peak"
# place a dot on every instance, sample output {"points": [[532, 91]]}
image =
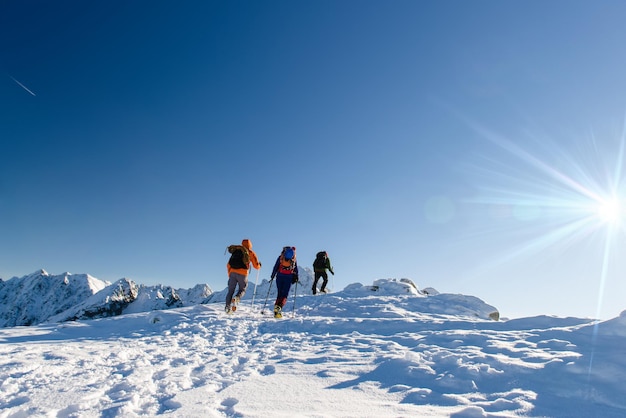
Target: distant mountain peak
{"points": [[38, 273]]}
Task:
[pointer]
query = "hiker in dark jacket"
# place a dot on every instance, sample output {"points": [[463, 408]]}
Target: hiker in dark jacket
{"points": [[286, 272], [320, 265]]}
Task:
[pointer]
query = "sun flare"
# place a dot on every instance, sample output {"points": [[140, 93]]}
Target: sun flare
{"points": [[547, 197]]}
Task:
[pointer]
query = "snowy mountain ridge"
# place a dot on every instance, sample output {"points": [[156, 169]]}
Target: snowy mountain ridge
{"points": [[31, 299], [41, 297]]}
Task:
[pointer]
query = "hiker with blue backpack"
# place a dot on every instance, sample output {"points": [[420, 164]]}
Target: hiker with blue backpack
{"points": [[238, 267], [286, 273]]}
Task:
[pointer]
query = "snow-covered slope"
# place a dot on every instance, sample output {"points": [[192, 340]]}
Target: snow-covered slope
{"points": [[354, 353], [264, 293]]}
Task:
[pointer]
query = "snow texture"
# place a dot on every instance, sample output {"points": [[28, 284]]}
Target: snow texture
{"points": [[387, 349]]}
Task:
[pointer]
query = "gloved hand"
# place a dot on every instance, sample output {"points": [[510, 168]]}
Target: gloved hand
{"points": [[272, 277], [295, 279], [332, 272]]}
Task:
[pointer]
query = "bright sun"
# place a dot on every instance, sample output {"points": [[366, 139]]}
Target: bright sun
{"points": [[610, 211]]}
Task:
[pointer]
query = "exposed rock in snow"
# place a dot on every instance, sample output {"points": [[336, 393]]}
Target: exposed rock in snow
{"points": [[126, 297], [110, 301]]}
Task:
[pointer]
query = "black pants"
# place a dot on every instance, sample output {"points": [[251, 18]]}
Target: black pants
{"points": [[319, 274]]}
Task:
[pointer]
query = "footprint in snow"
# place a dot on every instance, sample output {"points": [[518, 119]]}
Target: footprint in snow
{"points": [[228, 405], [268, 370]]}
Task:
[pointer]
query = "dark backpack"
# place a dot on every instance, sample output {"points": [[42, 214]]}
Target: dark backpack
{"points": [[320, 261], [287, 260], [240, 257]]}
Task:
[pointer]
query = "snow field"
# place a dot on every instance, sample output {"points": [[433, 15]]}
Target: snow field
{"points": [[341, 356]]}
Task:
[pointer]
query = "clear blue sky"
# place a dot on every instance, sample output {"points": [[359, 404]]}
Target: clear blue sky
{"points": [[444, 141]]}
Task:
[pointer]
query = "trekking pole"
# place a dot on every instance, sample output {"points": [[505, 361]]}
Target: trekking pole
{"points": [[255, 284], [295, 295], [267, 297]]}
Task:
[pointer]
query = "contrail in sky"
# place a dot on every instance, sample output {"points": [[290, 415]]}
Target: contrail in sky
{"points": [[23, 86]]}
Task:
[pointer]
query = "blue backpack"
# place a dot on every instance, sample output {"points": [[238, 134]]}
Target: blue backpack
{"points": [[287, 260]]}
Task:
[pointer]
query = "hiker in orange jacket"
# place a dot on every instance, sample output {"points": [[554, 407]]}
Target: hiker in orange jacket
{"points": [[238, 273]]}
